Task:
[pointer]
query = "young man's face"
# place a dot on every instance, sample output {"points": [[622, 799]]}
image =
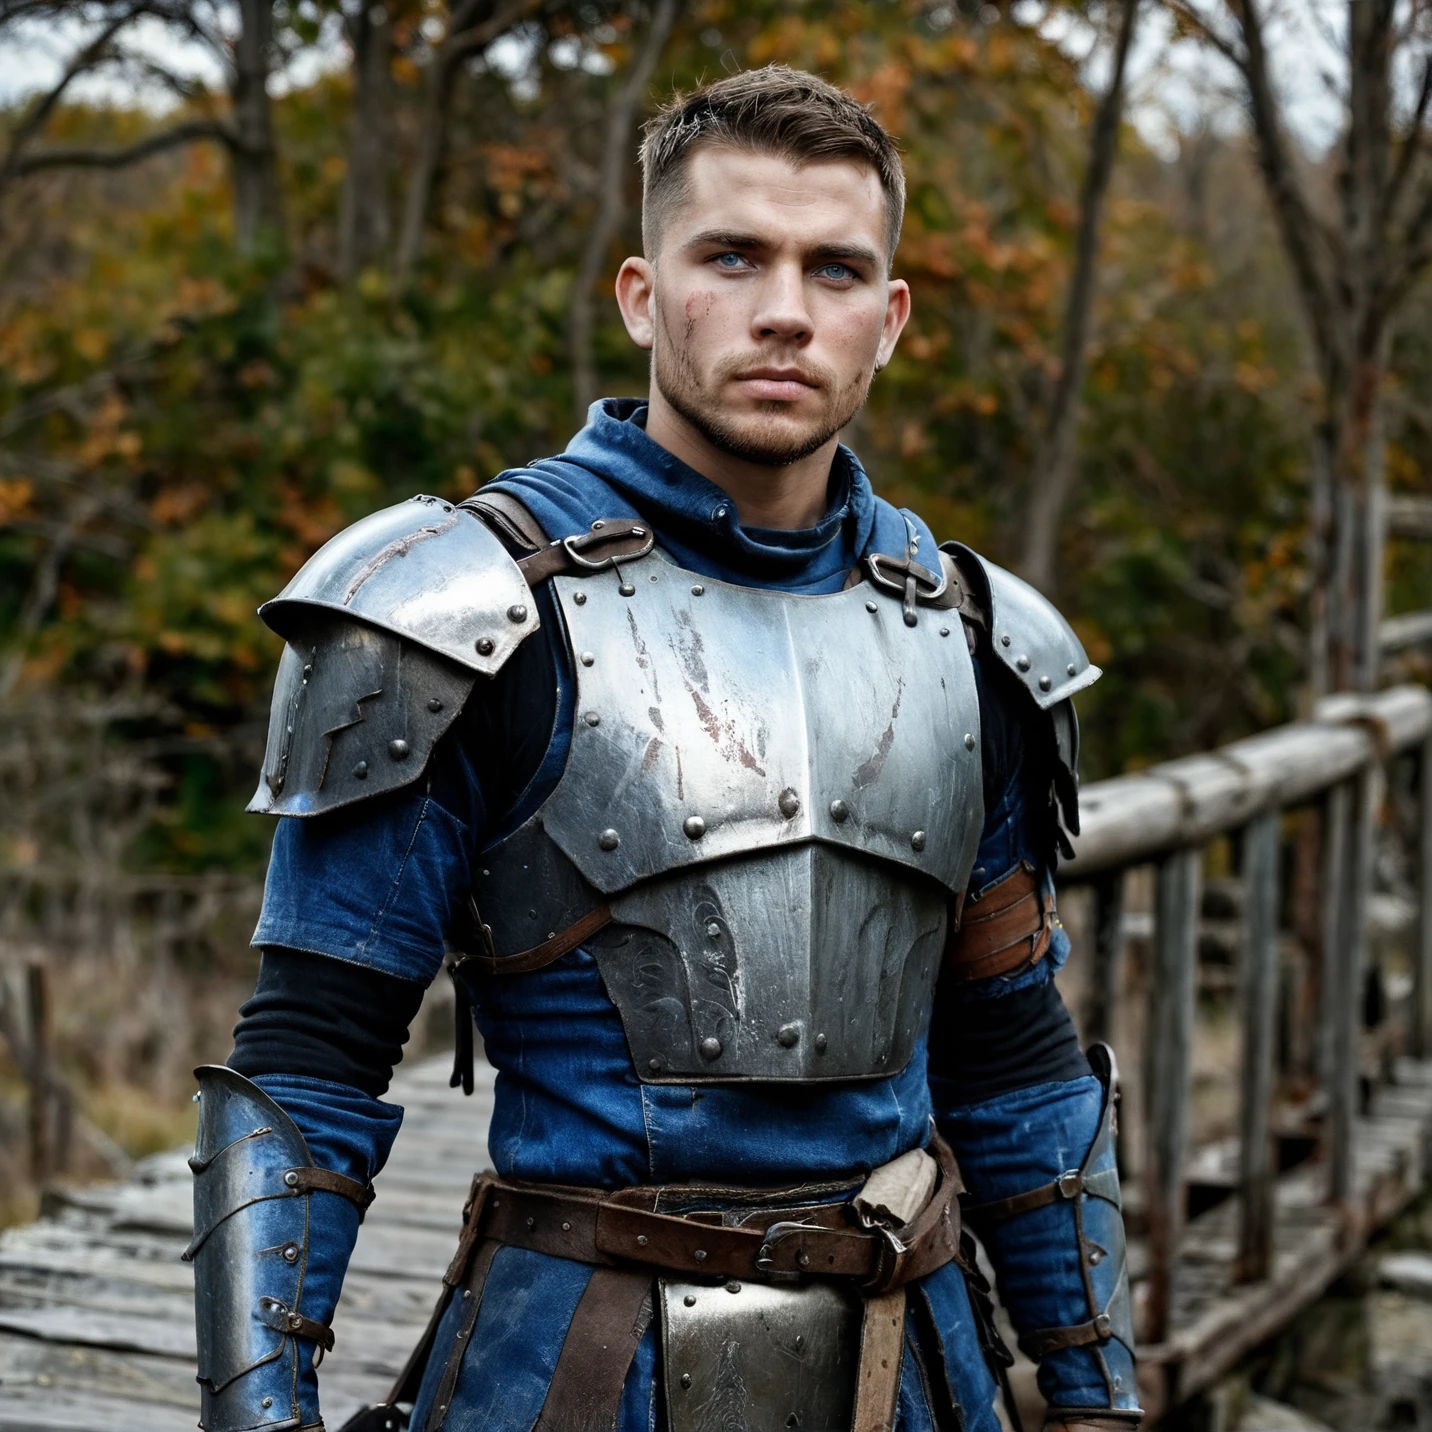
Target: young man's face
{"points": [[766, 305]]}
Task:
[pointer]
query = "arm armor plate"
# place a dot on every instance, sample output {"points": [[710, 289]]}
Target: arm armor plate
{"points": [[253, 1183], [1031, 638], [387, 628]]}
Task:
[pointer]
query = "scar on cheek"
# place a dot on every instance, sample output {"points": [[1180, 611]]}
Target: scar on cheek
{"points": [[704, 302]]}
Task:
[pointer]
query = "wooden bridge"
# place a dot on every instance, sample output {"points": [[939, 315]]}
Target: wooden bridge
{"points": [[1312, 832]]}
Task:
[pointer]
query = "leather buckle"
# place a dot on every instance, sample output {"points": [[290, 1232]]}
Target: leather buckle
{"points": [[913, 582], [576, 545]]}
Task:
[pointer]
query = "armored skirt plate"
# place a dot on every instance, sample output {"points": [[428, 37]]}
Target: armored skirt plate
{"points": [[759, 1357], [715, 719]]}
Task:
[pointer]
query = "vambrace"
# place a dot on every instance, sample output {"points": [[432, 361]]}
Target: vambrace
{"points": [[258, 1201], [1027, 1233]]}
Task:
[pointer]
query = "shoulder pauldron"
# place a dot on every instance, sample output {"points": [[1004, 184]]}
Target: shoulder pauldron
{"points": [[387, 627]]}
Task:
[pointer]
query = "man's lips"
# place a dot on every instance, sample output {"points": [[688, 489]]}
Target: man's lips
{"points": [[776, 384]]}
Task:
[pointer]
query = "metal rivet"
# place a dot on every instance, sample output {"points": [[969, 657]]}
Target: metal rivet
{"points": [[638, 531], [720, 512], [655, 577], [714, 930], [871, 607], [789, 804], [820, 1043], [580, 598], [609, 840], [694, 827], [1022, 662], [308, 671], [917, 840], [804, 1260], [398, 750], [598, 525], [642, 1240], [434, 704], [466, 1294], [654, 1065], [1102, 1326], [1045, 683], [686, 1376], [690, 1301], [800, 1342], [361, 770], [839, 811], [699, 1254], [278, 780], [566, 1228], [698, 590], [733, 1286], [291, 1178], [944, 631], [532, 1223], [517, 612], [1070, 669], [969, 741], [591, 718], [788, 1036], [587, 658], [1004, 640], [627, 590], [290, 1253], [710, 1047], [267, 1402], [484, 646]]}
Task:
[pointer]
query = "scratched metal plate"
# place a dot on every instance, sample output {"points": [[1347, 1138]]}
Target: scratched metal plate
{"points": [[765, 1358]]}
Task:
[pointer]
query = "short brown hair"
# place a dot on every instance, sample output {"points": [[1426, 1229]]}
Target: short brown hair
{"points": [[776, 110]]}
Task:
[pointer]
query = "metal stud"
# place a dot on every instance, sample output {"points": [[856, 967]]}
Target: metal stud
{"points": [[686, 1376], [642, 1240], [694, 827], [714, 930], [360, 771], [788, 1036], [434, 704], [267, 1402], [290, 1252], [566, 1227], [517, 612], [698, 590], [627, 590], [654, 1065], [690, 1301], [821, 1043], [291, 1178], [789, 804], [399, 749], [700, 1255], [839, 812], [580, 598], [944, 631], [710, 1047], [278, 780], [484, 646], [609, 840], [591, 718], [587, 658], [308, 671], [1045, 683], [598, 525], [531, 1222], [871, 607], [733, 1286], [917, 840], [655, 577], [1070, 669], [969, 740], [1022, 662]]}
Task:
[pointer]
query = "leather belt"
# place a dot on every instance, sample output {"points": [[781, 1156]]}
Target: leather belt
{"points": [[1009, 926], [815, 1241]]}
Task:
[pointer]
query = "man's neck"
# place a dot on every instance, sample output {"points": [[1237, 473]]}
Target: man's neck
{"points": [[782, 498]]}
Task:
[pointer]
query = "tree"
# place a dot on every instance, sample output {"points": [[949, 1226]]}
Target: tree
{"points": [[364, 220], [1356, 248]]}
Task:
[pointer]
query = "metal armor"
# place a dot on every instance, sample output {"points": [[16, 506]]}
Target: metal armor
{"points": [[253, 1181], [771, 804]]}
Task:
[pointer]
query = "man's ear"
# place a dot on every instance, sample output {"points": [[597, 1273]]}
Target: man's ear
{"points": [[636, 280], [897, 314]]}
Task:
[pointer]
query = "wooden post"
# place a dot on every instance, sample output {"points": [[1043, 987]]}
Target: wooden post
{"points": [[1422, 971], [1168, 1053], [1107, 973], [1353, 875], [1260, 1007], [37, 1007]]}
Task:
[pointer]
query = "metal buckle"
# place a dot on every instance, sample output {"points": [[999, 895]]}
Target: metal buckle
{"points": [[575, 544], [916, 583], [765, 1260], [891, 1251]]}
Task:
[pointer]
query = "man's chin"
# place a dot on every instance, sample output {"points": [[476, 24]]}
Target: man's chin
{"points": [[767, 439]]}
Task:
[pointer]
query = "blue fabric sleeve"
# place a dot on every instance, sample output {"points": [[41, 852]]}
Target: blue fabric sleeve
{"points": [[1014, 1144], [347, 1132]]}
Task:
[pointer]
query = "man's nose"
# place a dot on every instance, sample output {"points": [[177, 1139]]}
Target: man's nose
{"points": [[782, 311]]}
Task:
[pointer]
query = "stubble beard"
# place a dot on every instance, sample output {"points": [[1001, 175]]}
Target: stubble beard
{"points": [[760, 437]]}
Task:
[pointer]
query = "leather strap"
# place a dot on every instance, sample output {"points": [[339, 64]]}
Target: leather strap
{"points": [[1040, 1344], [882, 1348], [307, 1179], [510, 517], [592, 551], [539, 956], [1067, 1185], [470, 1292], [612, 1317], [1009, 926], [274, 1313]]}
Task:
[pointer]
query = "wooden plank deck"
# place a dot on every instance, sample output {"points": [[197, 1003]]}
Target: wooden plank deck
{"points": [[96, 1314]]}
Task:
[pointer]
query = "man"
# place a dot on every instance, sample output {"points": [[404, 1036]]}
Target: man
{"points": [[740, 800]]}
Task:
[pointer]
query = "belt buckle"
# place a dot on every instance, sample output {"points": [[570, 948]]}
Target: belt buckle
{"points": [[892, 1249], [580, 541], [775, 1233], [915, 583]]}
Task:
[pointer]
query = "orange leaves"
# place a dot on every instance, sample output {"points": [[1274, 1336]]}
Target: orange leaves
{"points": [[16, 495]]}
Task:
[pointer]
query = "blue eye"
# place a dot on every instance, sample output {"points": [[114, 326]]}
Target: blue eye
{"points": [[736, 259], [839, 272]]}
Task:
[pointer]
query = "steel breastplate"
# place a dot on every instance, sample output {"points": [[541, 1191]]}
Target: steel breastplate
{"points": [[778, 796]]}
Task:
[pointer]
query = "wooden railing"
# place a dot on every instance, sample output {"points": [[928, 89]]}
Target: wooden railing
{"points": [[1313, 792]]}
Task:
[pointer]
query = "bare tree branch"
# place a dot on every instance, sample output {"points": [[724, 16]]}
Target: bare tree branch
{"points": [[611, 204], [1411, 146], [82, 157], [1052, 476]]}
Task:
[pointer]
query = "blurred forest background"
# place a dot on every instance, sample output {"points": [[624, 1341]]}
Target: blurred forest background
{"points": [[354, 252]]}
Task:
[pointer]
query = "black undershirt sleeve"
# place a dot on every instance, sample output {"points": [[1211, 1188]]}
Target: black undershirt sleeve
{"points": [[326, 1019]]}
